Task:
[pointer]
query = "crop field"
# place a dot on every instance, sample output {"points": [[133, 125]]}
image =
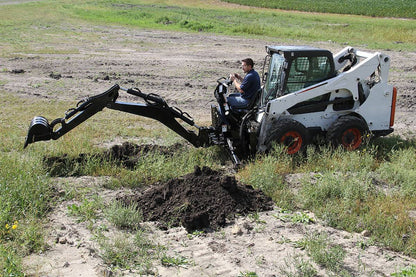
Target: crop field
{"points": [[382, 8], [73, 206]]}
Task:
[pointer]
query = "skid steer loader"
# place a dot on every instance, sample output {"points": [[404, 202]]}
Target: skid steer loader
{"points": [[307, 92]]}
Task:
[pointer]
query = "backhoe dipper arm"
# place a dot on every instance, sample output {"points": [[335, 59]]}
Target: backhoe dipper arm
{"points": [[155, 108]]}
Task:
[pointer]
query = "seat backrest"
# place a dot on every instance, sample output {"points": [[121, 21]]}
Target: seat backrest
{"points": [[254, 99]]}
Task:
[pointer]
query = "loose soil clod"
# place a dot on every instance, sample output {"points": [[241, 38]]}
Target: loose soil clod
{"points": [[199, 200]]}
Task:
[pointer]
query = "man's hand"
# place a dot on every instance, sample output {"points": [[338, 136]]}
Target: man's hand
{"points": [[236, 76]]}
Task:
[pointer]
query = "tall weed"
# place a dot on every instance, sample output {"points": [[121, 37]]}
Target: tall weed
{"points": [[325, 254]]}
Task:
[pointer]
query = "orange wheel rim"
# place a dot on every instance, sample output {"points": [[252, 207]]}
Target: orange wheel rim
{"points": [[351, 138], [293, 141]]}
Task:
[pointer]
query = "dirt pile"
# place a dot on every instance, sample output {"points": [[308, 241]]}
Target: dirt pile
{"points": [[199, 200], [126, 154]]}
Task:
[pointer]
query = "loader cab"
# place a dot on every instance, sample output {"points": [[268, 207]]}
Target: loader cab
{"points": [[294, 68]]}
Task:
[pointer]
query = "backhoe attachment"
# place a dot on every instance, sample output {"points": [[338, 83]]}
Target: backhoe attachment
{"points": [[154, 107]]}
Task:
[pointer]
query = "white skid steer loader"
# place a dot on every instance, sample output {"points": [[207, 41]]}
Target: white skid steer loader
{"points": [[309, 91]]}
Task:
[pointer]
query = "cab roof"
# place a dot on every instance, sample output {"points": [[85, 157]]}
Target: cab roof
{"points": [[295, 51]]}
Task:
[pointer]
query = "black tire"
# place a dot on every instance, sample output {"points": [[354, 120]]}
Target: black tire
{"points": [[348, 132], [291, 133]]}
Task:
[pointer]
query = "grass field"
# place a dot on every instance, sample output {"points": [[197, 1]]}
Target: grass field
{"points": [[344, 189], [195, 16]]}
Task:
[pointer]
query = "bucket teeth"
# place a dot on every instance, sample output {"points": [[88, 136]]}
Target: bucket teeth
{"points": [[39, 129]]}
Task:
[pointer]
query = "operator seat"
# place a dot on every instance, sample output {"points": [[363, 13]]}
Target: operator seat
{"points": [[253, 101]]}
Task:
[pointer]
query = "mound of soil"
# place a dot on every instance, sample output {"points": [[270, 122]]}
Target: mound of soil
{"points": [[126, 154], [199, 200]]}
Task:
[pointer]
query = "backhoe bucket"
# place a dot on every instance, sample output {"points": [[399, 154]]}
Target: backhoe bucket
{"points": [[39, 129]]}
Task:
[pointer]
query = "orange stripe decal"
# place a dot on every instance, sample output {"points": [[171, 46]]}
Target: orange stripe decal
{"points": [[302, 91]]}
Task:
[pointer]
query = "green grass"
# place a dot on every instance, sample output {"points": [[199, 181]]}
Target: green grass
{"points": [[297, 266], [27, 28], [371, 189], [323, 252], [384, 33], [126, 251], [381, 8], [123, 216], [10, 263], [25, 197]]}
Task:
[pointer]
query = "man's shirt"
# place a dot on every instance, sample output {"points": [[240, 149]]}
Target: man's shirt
{"points": [[250, 84]]}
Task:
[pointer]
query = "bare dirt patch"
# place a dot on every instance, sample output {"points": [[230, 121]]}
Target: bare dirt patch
{"points": [[16, 2]]}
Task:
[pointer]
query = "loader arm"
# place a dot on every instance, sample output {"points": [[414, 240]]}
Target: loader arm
{"points": [[154, 107]]}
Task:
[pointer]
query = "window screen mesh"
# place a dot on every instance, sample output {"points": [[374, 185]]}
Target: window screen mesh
{"points": [[306, 71]]}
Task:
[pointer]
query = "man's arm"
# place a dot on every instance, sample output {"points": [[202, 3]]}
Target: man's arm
{"points": [[237, 79], [237, 85]]}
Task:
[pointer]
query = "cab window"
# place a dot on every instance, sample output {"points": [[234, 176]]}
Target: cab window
{"points": [[274, 77], [306, 71]]}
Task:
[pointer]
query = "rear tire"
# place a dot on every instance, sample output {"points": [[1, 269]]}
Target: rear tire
{"points": [[291, 134], [348, 131]]}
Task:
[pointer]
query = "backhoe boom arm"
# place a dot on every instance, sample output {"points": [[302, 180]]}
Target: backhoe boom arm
{"points": [[154, 107]]}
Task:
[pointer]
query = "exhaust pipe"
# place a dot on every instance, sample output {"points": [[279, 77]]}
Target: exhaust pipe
{"points": [[39, 129]]}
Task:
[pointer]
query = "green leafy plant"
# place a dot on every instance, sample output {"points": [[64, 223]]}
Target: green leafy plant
{"points": [[297, 217], [406, 272], [297, 266], [196, 233], [301, 217], [247, 274], [255, 217], [179, 261], [88, 210]]}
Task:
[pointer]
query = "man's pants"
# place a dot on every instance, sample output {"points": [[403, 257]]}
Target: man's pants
{"points": [[236, 101]]}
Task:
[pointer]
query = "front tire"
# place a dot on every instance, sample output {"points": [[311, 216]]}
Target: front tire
{"points": [[291, 134], [348, 132]]}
